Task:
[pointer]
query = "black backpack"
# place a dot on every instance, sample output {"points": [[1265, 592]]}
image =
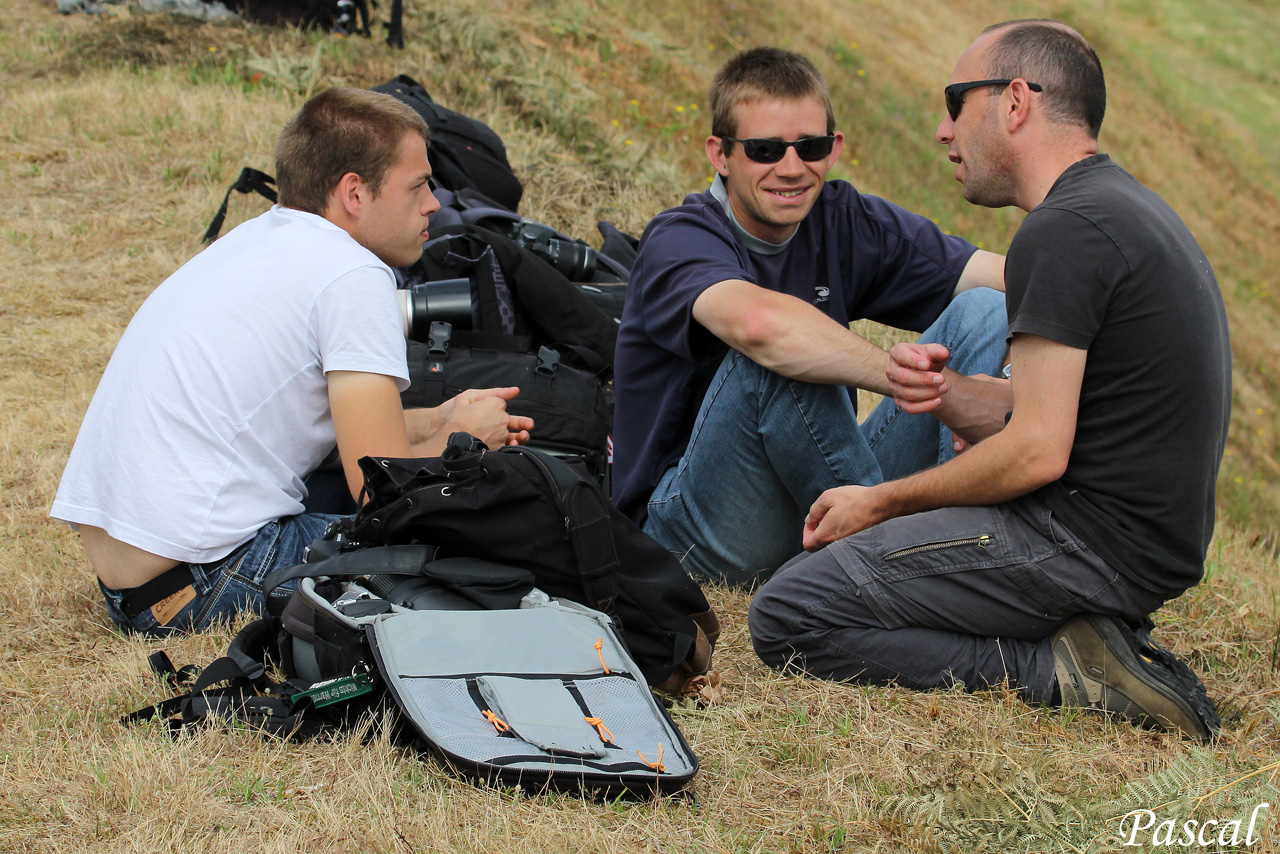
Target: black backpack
{"points": [[464, 153], [520, 507]]}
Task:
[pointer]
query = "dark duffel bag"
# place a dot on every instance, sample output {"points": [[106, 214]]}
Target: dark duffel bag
{"points": [[521, 507]]}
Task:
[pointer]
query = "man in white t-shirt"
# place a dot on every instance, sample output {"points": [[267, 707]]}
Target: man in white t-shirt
{"points": [[240, 373]]}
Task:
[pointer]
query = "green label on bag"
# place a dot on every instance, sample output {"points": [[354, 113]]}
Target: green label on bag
{"points": [[340, 690]]}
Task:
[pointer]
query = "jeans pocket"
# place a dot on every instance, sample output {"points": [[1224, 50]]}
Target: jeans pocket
{"points": [[1062, 535], [1041, 588]]}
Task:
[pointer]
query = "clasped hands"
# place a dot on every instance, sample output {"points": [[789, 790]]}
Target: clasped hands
{"points": [[917, 385], [483, 414]]}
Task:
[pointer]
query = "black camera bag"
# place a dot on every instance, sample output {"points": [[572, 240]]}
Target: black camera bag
{"points": [[514, 291], [522, 507], [569, 406]]}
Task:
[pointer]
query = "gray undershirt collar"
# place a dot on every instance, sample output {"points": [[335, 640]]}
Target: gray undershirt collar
{"points": [[720, 193]]}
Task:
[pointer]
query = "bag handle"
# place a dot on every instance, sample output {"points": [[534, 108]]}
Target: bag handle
{"points": [[386, 560], [250, 696]]}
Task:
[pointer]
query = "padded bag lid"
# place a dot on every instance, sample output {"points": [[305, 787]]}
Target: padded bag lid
{"points": [[543, 696]]}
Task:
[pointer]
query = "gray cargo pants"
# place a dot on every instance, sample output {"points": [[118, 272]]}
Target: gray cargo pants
{"points": [[962, 595]]}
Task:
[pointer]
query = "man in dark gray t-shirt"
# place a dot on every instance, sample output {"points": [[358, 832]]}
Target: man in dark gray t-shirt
{"points": [[1036, 556]]}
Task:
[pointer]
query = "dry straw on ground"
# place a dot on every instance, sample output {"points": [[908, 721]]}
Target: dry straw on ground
{"points": [[118, 136]]}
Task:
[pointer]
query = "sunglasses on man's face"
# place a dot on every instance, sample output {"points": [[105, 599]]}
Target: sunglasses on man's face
{"points": [[955, 93], [810, 149]]}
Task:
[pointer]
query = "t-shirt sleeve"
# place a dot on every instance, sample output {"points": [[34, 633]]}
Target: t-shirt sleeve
{"points": [[680, 256], [359, 326], [918, 265], [1056, 277]]}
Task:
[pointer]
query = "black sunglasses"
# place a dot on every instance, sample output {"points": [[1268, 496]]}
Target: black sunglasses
{"points": [[955, 93], [810, 149]]}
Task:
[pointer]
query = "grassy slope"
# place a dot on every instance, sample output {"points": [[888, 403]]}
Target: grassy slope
{"points": [[119, 135]]}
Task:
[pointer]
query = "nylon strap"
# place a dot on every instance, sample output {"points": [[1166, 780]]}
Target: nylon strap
{"points": [[386, 560], [250, 181]]}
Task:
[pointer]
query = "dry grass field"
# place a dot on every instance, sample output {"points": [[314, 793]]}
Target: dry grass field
{"points": [[119, 134]]}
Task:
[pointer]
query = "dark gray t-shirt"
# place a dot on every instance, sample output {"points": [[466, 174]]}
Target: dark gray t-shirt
{"points": [[1105, 265]]}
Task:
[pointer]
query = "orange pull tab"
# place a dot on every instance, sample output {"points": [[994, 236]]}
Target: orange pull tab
{"points": [[600, 652], [656, 766], [601, 729], [498, 723]]}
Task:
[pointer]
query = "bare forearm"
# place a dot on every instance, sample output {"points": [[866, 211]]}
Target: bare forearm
{"points": [[422, 424], [975, 408], [834, 356], [1002, 468], [790, 337]]}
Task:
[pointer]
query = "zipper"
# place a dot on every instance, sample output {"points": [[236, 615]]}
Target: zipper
{"points": [[981, 541]]}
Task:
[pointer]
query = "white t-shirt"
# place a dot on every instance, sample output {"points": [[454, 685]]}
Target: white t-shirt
{"points": [[215, 405]]}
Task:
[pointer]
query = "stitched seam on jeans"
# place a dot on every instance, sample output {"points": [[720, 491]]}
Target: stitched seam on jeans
{"points": [[822, 451], [214, 595], [823, 603], [708, 400], [888, 422]]}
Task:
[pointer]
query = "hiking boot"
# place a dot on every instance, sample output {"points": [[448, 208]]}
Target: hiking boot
{"points": [[1103, 664]]}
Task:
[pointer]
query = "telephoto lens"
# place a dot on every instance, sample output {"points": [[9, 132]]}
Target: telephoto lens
{"points": [[448, 300], [419, 594]]}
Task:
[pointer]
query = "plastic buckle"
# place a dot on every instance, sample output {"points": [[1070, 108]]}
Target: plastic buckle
{"points": [[438, 338], [548, 361]]}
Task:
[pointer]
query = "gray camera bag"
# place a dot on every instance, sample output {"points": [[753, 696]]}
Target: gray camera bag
{"points": [[539, 696]]}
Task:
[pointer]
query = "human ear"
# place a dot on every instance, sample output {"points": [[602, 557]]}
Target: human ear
{"points": [[715, 153], [350, 193]]}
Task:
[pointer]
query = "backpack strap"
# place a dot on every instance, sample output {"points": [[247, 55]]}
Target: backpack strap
{"points": [[586, 515], [236, 687], [250, 181]]}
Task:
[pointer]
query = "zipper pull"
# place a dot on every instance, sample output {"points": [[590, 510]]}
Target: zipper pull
{"points": [[984, 540]]}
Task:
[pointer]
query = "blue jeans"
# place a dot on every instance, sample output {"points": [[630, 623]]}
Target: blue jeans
{"points": [[232, 585], [764, 447], [958, 596]]}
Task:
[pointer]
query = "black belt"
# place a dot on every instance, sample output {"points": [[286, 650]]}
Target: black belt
{"points": [[135, 600]]}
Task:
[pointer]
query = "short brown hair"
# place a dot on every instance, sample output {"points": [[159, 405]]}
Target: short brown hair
{"points": [[338, 131], [1059, 59], [759, 74]]}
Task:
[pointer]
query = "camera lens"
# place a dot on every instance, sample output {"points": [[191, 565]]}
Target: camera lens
{"points": [[448, 300], [576, 261]]}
